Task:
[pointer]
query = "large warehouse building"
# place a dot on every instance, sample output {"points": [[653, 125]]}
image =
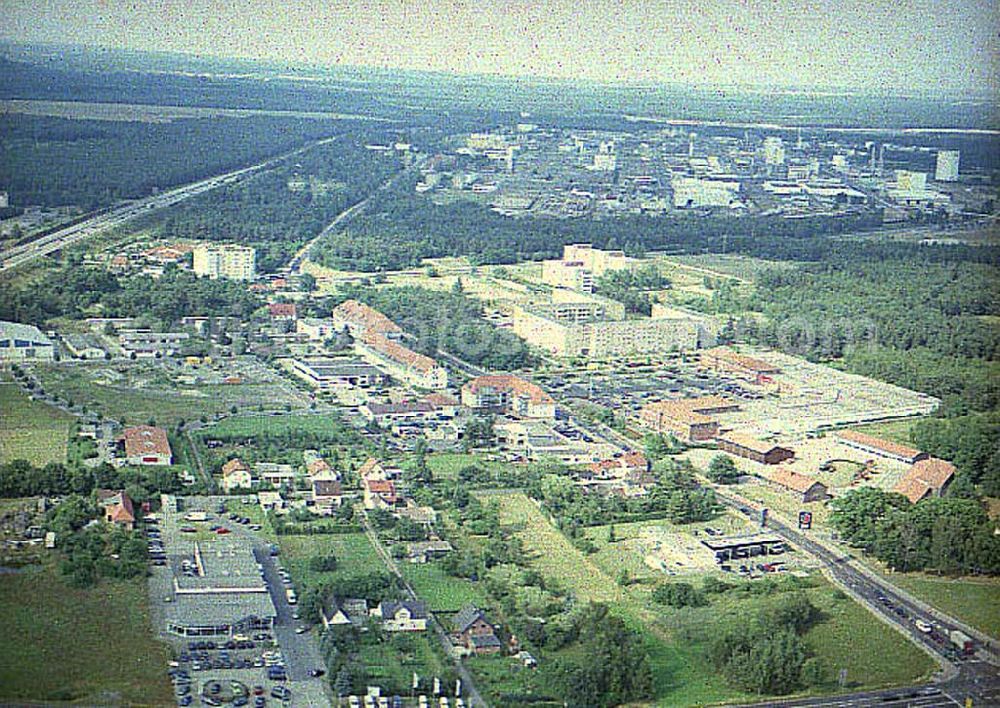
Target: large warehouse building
{"points": [[21, 342]]}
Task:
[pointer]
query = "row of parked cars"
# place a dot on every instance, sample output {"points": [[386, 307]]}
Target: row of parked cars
{"points": [[154, 543]]}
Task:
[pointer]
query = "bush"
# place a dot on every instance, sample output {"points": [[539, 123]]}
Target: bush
{"points": [[679, 595], [321, 564]]}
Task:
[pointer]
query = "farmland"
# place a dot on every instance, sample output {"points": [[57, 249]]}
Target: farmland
{"points": [[31, 430], [99, 662]]}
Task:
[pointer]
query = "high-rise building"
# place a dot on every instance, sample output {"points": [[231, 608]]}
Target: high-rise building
{"points": [[947, 166], [774, 151], [225, 261], [4, 200], [605, 159], [907, 181]]}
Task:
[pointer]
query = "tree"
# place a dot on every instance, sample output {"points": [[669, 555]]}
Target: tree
{"points": [[679, 595], [722, 470]]}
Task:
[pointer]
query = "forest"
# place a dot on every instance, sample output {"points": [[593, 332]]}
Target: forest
{"points": [[73, 291], [277, 212], [946, 535], [102, 162]]}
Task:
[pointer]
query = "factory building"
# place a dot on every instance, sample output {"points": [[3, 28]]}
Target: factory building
{"points": [[21, 342]]}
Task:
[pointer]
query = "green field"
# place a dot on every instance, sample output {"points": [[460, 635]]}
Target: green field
{"points": [[442, 592], [274, 425], [898, 430], [975, 601], [93, 646], [354, 553], [676, 639], [31, 430], [144, 395]]}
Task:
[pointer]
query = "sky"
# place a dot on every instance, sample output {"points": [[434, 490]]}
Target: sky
{"points": [[874, 44]]}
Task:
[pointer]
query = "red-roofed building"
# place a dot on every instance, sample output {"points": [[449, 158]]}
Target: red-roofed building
{"points": [[623, 466], [147, 445], [878, 446], [725, 360], [401, 363], [689, 419], [380, 494], [282, 311], [751, 448], [508, 394], [118, 508], [805, 488], [326, 495], [926, 478], [360, 319]]}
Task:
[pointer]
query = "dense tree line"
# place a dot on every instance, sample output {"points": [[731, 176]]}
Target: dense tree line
{"points": [[947, 535], [615, 668], [765, 654], [402, 228], [19, 478], [451, 321], [972, 442], [75, 292], [58, 161]]}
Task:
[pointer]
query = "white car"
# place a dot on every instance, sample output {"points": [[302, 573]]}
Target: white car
{"points": [[923, 626]]}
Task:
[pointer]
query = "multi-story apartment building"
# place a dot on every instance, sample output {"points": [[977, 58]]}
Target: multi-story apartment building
{"points": [[223, 260], [508, 394]]}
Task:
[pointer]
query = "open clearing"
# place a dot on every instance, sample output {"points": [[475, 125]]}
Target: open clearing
{"points": [[92, 646], [849, 638], [31, 430]]}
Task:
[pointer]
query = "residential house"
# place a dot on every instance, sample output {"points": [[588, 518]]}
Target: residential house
{"points": [[423, 551], [118, 508], [347, 611], [326, 494], [401, 616], [380, 494], [620, 467], [236, 475], [474, 631], [274, 473], [282, 311]]}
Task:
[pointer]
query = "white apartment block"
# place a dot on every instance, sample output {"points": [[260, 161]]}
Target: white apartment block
{"points": [[225, 261]]}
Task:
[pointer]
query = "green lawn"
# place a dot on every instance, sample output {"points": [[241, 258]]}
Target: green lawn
{"points": [[446, 465], [275, 425], [93, 646], [31, 430], [153, 398], [898, 430], [393, 661], [354, 553], [976, 601], [442, 592]]}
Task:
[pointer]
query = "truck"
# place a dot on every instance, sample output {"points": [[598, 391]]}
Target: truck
{"points": [[961, 640]]}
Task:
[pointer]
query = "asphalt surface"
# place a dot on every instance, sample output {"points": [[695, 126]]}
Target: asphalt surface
{"points": [[300, 651]]}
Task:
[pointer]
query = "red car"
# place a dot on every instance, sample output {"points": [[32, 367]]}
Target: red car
{"points": [[222, 530]]}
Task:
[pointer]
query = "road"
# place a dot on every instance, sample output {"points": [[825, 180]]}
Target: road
{"points": [[471, 694], [121, 213]]}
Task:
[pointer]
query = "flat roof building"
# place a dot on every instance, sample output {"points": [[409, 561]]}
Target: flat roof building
{"points": [[324, 373], [504, 393], [21, 342], [230, 261]]}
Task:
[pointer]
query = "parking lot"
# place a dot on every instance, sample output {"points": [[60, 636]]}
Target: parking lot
{"points": [[248, 664]]}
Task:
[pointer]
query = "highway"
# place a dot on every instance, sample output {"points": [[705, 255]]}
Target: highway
{"points": [[123, 212]]}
